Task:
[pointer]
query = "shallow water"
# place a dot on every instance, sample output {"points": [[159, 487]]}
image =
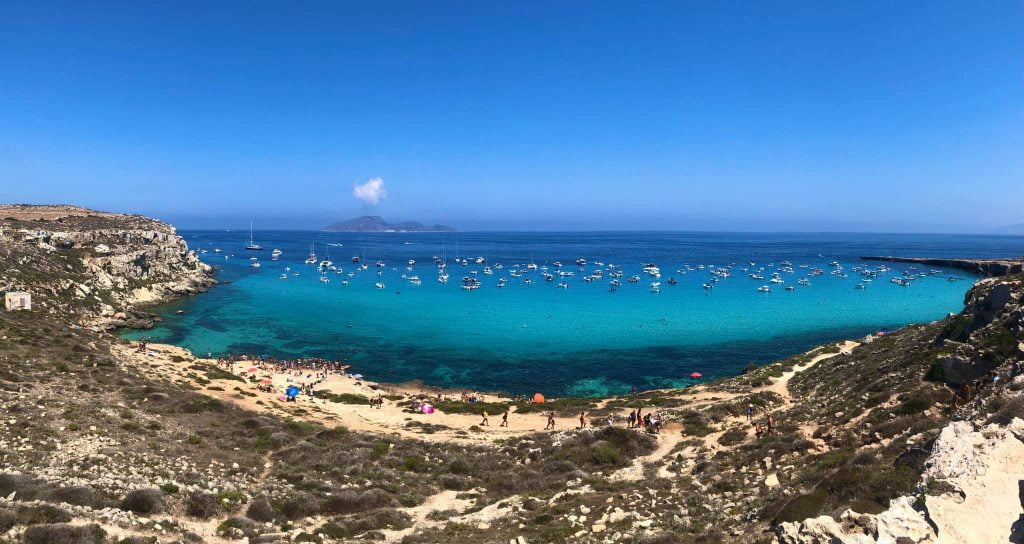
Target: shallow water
{"points": [[581, 340]]}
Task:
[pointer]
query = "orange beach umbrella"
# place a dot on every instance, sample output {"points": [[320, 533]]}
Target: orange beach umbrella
{"points": [[538, 398]]}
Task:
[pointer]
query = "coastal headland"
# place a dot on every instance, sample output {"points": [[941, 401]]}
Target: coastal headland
{"points": [[912, 436]]}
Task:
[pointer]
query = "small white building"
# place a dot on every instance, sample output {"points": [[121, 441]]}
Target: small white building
{"points": [[18, 300]]}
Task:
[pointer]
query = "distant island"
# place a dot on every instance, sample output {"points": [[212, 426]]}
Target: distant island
{"points": [[376, 223]]}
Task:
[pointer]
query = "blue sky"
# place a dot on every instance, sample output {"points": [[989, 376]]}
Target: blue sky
{"points": [[874, 116]]}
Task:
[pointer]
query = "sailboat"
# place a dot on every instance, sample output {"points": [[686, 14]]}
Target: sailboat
{"points": [[252, 246], [311, 259]]}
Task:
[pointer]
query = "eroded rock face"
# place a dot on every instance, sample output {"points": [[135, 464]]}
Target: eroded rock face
{"points": [[983, 467], [980, 472], [102, 267], [900, 524]]}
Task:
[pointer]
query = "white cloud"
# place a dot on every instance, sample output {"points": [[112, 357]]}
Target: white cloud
{"points": [[371, 192]]}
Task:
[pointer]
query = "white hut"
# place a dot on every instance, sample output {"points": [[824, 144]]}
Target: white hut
{"points": [[18, 300]]}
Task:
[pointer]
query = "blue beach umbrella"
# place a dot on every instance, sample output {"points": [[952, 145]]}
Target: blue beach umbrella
{"points": [[292, 391]]}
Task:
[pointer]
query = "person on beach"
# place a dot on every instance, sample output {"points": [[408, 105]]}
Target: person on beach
{"points": [[758, 431], [551, 421], [639, 419], [484, 422], [583, 420], [770, 423], [504, 419], [631, 421], [750, 412]]}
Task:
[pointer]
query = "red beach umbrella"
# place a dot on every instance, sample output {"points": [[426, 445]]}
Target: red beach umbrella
{"points": [[696, 375], [253, 370]]}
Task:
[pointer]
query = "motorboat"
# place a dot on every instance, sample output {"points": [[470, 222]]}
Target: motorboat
{"points": [[764, 289]]}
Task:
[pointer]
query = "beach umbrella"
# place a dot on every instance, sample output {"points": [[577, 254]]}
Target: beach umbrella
{"points": [[696, 375], [538, 398], [427, 409], [253, 370], [292, 391], [266, 381]]}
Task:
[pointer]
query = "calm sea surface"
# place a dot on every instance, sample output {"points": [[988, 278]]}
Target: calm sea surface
{"points": [[583, 339]]}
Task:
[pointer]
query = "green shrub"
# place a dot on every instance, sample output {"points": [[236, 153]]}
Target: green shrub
{"points": [[143, 501], [62, 533]]}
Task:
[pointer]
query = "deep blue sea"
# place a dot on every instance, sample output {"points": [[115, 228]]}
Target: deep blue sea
{"points": [[583, 339]]}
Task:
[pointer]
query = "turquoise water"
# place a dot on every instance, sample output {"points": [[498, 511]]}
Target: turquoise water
{"points": [[581, 340]]}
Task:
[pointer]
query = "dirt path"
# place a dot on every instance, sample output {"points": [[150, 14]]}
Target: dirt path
{"points": [[781, 385], [670, 436]]}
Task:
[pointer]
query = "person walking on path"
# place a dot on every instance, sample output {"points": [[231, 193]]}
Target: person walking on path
{"points": [[485, 423], [770, 423], [750, 413], [551, 421], [504, 419], [583, 420]]}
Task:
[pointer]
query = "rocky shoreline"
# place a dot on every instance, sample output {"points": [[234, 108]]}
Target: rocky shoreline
{"points": [[981, 267]]}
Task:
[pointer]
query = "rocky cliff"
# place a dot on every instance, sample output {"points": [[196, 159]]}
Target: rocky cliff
{"points": [[971, 488], [105, 268]]}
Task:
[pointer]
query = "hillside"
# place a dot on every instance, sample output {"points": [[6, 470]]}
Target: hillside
{"points": [[874, 439], [376, 223]]}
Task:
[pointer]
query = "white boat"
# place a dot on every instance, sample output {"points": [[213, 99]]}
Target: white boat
{"points": [[790, 288], [487, 270], [324, 279], [470, 283], [443, 278], [311, 259], [252, 245], [411, 262], [275, 253], [804, 281], [563, 285], [859, 286], [655, 286], [216, 250], [764, 289], [379, 285], [284, 276], [254, 264], [415, 280]]}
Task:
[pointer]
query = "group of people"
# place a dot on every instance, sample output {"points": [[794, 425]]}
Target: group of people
{"points": [[639, 420]]}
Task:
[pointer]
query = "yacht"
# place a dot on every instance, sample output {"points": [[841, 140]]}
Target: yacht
{"points": [[415, 280], [284, 276], [379, 285], [804, 281], [443, 278], [488, 271], [276, 253], [356, 259], [470, 283], [531, 266], [412, 262], [254, 264], [655, 286], [252, 245], [311, 259], [764, 289]]}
